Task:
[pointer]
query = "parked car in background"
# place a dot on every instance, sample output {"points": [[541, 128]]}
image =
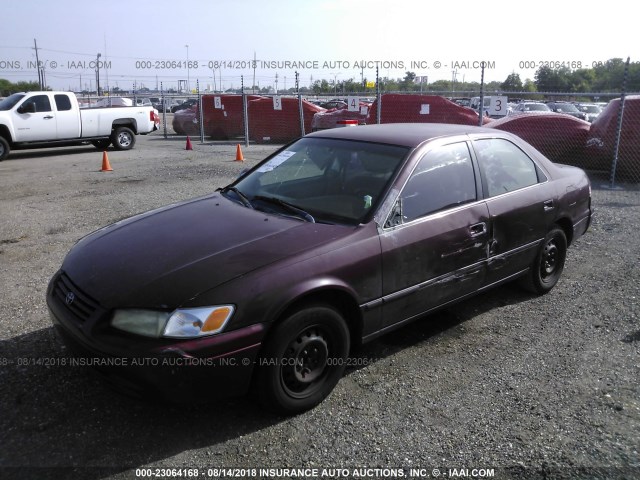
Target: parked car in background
{"points": [[165, 105], [190, 102], [334, 240], [186, 121], [335, 103], [591, 110], [530, 107], [567, 108], [144, 102]]}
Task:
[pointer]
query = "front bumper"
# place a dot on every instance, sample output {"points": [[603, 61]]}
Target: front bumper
{"points": [[174, 370]]}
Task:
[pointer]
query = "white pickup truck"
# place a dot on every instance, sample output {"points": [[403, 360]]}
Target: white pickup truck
{"points": [[49, 119]]}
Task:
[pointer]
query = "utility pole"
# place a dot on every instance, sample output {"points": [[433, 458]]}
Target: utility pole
{"points": [[98, 75], [35, 47]]}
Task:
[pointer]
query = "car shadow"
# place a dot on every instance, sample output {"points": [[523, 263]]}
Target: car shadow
{"points": [[62, 421], [50, 152]]}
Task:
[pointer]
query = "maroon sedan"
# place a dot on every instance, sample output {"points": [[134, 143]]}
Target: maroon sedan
{"points": [[334, 240]]}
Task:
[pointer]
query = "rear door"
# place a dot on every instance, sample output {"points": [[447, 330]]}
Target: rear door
{"points": [[521, 204], [434, 245], [67, 117]]}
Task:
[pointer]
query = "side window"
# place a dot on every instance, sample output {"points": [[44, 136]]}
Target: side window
{"points": [[444, 178], [503, 166], [41, 102], [62, 103]]}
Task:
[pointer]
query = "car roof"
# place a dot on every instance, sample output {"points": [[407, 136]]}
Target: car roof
{"points": [[404, 134]]}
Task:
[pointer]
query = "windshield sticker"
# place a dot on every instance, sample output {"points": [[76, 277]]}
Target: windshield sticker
{"points": [[275, 161]]}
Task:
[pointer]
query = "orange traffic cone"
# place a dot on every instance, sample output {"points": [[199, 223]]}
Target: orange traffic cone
{"points": [[239, 156], [106, 166], [188, 147]]}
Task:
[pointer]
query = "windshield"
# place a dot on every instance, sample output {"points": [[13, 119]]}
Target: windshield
{"points": [[589, 108], [566, 107], [538, 107], [334, 181], [9, 102]]}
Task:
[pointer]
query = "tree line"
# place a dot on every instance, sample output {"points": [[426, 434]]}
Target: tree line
{"points": [[605, 77]]}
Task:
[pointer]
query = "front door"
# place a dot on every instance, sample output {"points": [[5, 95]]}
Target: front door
{"points": [[37, 126], [434, 245]]}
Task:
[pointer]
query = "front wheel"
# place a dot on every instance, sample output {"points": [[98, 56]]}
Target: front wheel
{"points": [[303, 359], [4, 149], [123, 138], [549, 263]]}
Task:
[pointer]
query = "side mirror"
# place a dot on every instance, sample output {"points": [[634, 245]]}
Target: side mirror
{"points": [[395, 217], [27, 107]]}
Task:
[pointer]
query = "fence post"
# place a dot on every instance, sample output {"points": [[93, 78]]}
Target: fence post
{"points": [[616, 149], [200, 113], [300, 109], [481, 106], [164, 110], [378, 99], [245, 114]]}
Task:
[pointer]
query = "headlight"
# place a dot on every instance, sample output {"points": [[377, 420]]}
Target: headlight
{"points": [[181, 323]]}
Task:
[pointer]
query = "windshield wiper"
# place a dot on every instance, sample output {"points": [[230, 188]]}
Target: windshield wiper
{"points": [[292, 208], [243, 198]]}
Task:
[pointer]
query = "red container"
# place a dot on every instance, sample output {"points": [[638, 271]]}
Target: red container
{"points": [[422, 109], [559, 137], [268, 125], [225, 122]]}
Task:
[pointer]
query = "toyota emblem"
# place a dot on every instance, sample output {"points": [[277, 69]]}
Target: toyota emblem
{"points": [[69, 298]]}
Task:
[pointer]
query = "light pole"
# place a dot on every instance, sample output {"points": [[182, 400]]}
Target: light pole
{"points": [[98, 75], [188, 83]]}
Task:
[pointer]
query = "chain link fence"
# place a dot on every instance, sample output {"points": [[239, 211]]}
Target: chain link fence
{"points": [[597, 131]]}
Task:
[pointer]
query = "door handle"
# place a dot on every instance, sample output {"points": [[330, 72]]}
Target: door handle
{"points": [[548, 205], [478, 229], [48, 117]]}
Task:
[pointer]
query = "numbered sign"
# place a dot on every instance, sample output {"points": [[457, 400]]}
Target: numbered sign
{"points": [[277, 102], [353, 104], [217, 102], [498, 106]]}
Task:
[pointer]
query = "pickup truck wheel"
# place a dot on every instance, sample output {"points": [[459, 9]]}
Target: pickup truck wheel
{"points": [[4, 149], [123, 138], [101, 144]]}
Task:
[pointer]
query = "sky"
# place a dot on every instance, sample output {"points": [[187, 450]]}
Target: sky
{"points": [[147, 43]]}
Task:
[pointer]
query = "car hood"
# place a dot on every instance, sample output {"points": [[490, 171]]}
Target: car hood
{"points": [[165, 257]]}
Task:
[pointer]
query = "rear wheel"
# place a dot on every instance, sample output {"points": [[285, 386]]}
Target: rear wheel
{"points": [[123, 138], [549, 263], [4, 149], [303, 359]]}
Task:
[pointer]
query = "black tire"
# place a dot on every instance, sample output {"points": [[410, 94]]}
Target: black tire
{"points": [[4, 149], [303, 359], [123, 138], [549, 263], [101, 144]]}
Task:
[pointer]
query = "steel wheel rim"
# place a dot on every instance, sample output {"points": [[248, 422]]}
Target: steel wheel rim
{"points": [[549, 261], [304, 363]]}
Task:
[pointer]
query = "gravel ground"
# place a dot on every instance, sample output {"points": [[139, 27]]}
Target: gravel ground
{"points": [[524, 386]]}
